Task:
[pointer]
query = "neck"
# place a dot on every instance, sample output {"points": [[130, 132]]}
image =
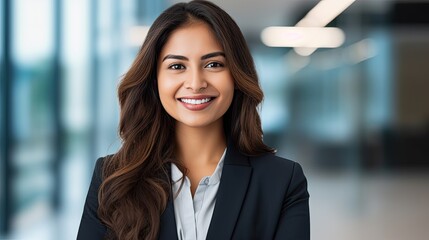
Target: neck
{"points": [[199, 146]]}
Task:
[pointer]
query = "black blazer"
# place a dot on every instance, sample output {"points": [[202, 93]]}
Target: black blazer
{"points": [[262, 197]]}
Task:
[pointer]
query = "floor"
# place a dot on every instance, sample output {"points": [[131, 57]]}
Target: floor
{"points": [[389, 205]]}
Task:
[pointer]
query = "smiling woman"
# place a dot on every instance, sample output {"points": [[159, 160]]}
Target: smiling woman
{"points": [[193, 164], [194, 82]]}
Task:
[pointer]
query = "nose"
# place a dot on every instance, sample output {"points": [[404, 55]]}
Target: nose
{"points": [[195, 81]]}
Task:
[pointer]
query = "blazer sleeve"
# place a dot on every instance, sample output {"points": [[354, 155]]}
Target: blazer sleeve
{"points": [[91, 228], [294, 222]]}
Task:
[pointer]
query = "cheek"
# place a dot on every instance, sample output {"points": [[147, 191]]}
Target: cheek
{"points": [[228, 88], [166, 90], [230, 96], [168, 83]]}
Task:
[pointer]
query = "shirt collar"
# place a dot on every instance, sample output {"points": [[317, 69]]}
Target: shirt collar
{"points": [[176, 174]]}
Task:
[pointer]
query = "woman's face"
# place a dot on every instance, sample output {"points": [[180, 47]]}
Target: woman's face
{"points": [[194, 82]]}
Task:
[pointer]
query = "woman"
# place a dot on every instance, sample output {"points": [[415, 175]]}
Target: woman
{"points": [[193, 164]]}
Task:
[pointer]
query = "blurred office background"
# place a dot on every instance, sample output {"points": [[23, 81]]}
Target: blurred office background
{"points": [[356, 117]]}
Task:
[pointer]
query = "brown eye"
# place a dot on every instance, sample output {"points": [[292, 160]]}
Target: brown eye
{"points": [[176, 66], [214, 65]]}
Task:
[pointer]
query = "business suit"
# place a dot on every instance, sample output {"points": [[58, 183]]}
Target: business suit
{"points": [[262, 197]]}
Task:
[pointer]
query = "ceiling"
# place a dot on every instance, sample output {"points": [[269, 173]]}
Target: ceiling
{"points": [[254, 15]]}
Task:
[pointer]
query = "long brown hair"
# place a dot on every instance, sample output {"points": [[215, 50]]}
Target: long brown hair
{"points": [[136, 184]]}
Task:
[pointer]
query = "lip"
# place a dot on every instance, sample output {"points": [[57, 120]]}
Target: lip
{"points": [[196, 107], [197, 97]]}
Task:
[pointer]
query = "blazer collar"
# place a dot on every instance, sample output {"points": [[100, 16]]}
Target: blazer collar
{"points": [[232, 190]]}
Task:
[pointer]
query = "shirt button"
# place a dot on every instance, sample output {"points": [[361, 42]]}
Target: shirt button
{"points": [[206, 181]]}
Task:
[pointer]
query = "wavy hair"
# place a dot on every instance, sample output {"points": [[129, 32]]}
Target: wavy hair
{"points": [[136, 183]]}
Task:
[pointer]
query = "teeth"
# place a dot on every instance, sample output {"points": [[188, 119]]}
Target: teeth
{"points": [[195, 101]]}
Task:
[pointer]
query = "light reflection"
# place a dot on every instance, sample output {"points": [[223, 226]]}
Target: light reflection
{"points": [[361, 51], [136, 35], [296, 62], [349, 55], [34, 36]]}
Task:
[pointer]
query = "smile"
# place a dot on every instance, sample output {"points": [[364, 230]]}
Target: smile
{"points": [[195, 101]]}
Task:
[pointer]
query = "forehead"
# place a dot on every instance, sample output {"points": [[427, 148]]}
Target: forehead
{"points": [[195, 38]]}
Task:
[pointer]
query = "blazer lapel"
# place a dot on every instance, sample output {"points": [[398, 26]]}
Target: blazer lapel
{"points": [[167, 227], [232, 190], [168, 230]]}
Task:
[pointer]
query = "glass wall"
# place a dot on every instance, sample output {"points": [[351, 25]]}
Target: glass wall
{"points": [[33, 146], [64, 60], [3, 136]]}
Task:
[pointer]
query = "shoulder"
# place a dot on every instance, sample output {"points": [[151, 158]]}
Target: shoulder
{"points": [[96, 180], [98, 170], [99, 164], [274, 168], [91, 226], [271, 161]]}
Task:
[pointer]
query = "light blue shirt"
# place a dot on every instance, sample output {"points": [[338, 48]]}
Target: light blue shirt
{"points": [[193, 216]]}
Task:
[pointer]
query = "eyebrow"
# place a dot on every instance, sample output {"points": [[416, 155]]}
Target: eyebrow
{"points": [[204, 57]]}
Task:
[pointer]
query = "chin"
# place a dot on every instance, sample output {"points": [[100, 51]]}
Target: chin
{"points": [[196, 124], [199, 123]]}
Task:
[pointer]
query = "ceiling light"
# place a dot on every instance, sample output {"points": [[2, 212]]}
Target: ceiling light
{"points": [[319, 16], [324, 12], [307, 37]]}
